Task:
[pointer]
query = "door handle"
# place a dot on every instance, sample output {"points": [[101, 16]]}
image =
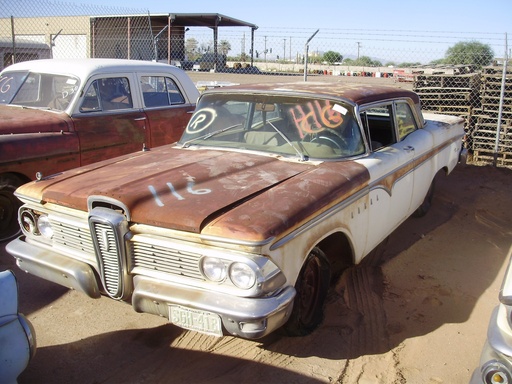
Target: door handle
{"points": [[408, 148], [140, 118]]}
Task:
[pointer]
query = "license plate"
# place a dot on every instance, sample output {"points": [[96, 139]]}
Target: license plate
{"points": [[195, 320]]}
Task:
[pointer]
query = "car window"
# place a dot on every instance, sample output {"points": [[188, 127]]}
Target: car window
{"points": [[160, 91], [38, 90], [379, 126], [302, 127], [405, 120], [107, 94], [10, 83]]}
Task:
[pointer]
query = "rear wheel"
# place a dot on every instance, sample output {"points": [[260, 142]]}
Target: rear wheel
{"points": [[312, 287], [9, 205]]}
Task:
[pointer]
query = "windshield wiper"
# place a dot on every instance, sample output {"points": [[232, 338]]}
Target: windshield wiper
{"points": [[301, 155], [187, 143]]}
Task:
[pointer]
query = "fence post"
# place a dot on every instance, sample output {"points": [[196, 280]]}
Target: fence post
{"points": [[13, 58], [500, 109]]}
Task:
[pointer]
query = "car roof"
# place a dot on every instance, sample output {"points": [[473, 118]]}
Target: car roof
{"points": [[83, 68], [357, 94]]}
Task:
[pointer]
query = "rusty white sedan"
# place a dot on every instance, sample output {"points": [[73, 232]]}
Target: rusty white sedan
{"points": [[62, 114], [239, 228]]}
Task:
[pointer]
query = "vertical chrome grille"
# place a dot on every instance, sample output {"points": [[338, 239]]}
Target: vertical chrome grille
{"points": [[108, 255], [108, 230]]}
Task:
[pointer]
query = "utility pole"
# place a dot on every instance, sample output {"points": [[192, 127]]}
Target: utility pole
{"points": [[358, 47], [306, 49]]}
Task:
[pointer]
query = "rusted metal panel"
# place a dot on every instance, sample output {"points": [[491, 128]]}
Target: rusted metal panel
{"points": [[353, 93], [188, 190], [61, 152], [17, 120], [279, 210]]}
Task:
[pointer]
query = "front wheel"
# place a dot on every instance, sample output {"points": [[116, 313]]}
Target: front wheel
{"points": [[427, 202], [9, 205], [312, 287]]}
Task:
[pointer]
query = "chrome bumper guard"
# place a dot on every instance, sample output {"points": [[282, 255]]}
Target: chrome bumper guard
{"points": [[54, 267]]}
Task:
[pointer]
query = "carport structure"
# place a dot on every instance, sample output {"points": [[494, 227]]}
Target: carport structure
{"points": [[167, 39]]}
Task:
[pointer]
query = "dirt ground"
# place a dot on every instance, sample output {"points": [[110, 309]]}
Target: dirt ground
{"points": [[415, 312]]}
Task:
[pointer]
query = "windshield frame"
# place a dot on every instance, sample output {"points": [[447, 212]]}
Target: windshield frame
{"points": [[298, 126]]}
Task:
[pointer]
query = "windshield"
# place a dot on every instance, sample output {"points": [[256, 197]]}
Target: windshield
{"points": [[37, 90], [296, 126]]}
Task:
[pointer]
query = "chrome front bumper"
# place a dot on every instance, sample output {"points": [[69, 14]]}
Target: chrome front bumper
{"points": [[250, 318]]}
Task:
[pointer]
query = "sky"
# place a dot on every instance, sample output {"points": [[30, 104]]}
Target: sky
{"points": [[372, 26], [438, 15]]}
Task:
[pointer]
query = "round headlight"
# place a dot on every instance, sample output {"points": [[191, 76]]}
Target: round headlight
{"points": [[242, 275], [44, 226], [214, 269], [28, 222]]}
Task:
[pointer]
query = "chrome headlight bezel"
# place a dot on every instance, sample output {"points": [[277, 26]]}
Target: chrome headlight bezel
{"points": [[251, 275], [496, 369], [35, 223]]}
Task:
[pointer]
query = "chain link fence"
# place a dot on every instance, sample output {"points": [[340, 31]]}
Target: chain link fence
{"points": [[458, 73]]}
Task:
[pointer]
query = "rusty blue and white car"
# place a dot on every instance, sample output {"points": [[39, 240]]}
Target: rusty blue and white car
{"points": [[17, 336], [239, 228]]}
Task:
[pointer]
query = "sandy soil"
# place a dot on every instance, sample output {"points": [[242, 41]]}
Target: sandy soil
{"points": [[416, 311]]}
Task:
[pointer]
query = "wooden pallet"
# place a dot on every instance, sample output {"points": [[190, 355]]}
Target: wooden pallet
{"points": [[471, 81], [488, 156]]}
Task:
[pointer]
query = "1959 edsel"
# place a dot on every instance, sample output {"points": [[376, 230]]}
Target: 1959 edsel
{"points": [[237, 229]]}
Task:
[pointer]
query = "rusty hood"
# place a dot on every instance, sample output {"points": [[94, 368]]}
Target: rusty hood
{"points": [[14, 120], [227, 194]]}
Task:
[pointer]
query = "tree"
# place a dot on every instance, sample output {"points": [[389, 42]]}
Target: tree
{"points": [[472, 52], [366, 61], [191, 48], [332, 57], [224, 47], [408, 64]]}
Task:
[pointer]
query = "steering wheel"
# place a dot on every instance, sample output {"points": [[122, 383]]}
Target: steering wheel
{"points": [[331, 136]]}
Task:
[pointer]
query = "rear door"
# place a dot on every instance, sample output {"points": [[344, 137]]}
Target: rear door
{"points": [[166, 106], [391, 173], [419, 142]]}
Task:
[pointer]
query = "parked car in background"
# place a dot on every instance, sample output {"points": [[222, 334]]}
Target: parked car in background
{"points": [[239, 228], [17, 336], [496, 359], [62, 114]]}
